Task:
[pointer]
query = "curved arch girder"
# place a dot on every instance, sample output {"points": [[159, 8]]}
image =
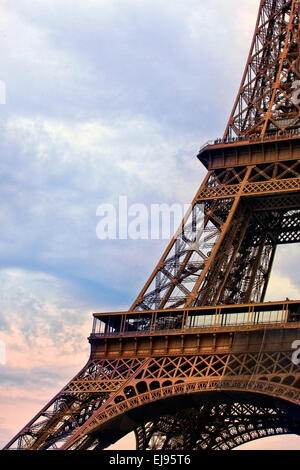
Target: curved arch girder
{"points": [[87, 438]]}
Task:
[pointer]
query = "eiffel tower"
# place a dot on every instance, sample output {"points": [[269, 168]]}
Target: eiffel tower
{"points": [[200, 361]]}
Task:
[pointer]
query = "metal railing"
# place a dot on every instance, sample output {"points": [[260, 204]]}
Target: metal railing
{"points": [[205, 328], [280, 135]]}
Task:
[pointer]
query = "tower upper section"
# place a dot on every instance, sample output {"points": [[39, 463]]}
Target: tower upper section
{"points": [[268, 100]]}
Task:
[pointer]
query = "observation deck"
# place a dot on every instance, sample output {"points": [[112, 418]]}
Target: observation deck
{"points": [[221, 329], [279, 146], [220, 317]]}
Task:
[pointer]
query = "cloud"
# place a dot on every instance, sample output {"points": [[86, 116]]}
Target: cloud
{"points": [[284, 279], [104, 98], [59, 175], [126, 58], [40, 313], [44, 331]]}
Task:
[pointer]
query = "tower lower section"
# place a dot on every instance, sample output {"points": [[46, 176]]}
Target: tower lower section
{"points": [[207, 384]]}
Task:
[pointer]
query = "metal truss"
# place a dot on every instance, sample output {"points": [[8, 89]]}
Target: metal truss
{"points": [[107, 389], [214, 427], [234, 225], [221, 255], [268, 100]]}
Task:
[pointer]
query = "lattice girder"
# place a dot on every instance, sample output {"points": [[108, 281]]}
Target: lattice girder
{"points": [[214, 427], [267, 100], [229, 235], [71, 419], [222, 254]]}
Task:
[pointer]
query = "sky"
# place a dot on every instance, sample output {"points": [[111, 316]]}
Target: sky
{"points": [[104, 98]]}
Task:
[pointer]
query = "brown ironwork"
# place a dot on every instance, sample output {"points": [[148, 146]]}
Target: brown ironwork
{"points": [[199, 348], [214, 427], [142, 361], [268, 98]]}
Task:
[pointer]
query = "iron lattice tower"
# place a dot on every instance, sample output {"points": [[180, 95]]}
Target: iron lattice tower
{"points": [[200, 361]]}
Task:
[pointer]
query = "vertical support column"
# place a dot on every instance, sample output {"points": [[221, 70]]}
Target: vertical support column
{"points": [[168, 249], [220, 240]]}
